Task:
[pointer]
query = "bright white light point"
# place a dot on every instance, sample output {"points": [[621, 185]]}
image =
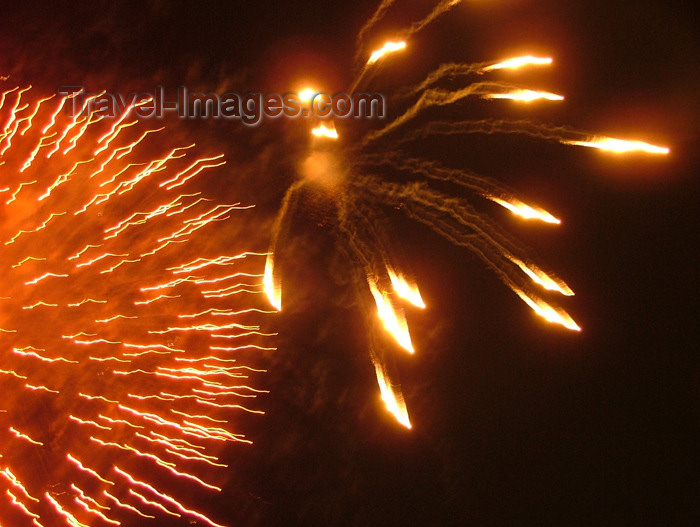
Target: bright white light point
{"points": [[306, 95]]}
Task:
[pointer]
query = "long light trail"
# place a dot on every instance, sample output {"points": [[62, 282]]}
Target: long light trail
{"points": [[352, 170], [100, 218]]}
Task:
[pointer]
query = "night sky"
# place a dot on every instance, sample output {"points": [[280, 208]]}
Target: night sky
{"points": [[516, 422]]}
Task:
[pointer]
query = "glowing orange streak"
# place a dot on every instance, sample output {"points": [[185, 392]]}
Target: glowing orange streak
{"points": [[14, 374], [44, 276], [180, 441], [39, 304], [110, 135], [190, 416], [191, 205], [232, 289], [40, 388], [196, 224], [101, 257], [389, 47], [525, 211], [405, 290], [272, 288], [169, 285], [155, 504], [233, 293], [194, 174], [32, 156], [119, 421], [204, 327], [524, 96], [20, 435], [96, 398], [394, 321], [519, 62], [173, 443], [126, 150], [238, 348], [104, 163], [147, 397], [124, 224], [199, 263], [87, 508], [87, 470], [70, 519], [620, 146], [116, 266], [135, 451], [85, 497], [170, 467], [199, 374], [109, 359], [232, 407], [82, 251], [153, 418], [87, 301], [21, 505], [88, 422], [30, 118], [16, 192], [152, 346], [13, 116], [24, 353], [9, 476], [220, 433], [183, 172], [161, 247], [93, 342], [115, 317], [198, 457], [540, 277], [160, 297], [63, 178], [393, 400], [4, 95], [547, 312], [223, 394], [73, 123], [230, 277], [119, 173], [119, 125], [247, 333], [325, 132], [126, 506]]}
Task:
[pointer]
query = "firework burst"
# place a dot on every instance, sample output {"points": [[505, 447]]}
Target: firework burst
{"points": [[350, 174], [123, 320]]}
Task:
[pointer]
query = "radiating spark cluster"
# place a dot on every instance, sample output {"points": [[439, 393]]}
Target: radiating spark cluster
{"points": [[118, 396], [358, 165]]}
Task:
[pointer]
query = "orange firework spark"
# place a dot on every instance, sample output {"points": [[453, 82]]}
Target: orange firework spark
{"points": [[98, 368], [360, 192]]}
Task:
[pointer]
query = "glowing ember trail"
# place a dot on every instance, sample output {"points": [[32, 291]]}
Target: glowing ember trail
{"points": [[328, 132], [99, 226], [525, 96], [376, 169], [519, 62], [620, 146], [389, 47]]}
